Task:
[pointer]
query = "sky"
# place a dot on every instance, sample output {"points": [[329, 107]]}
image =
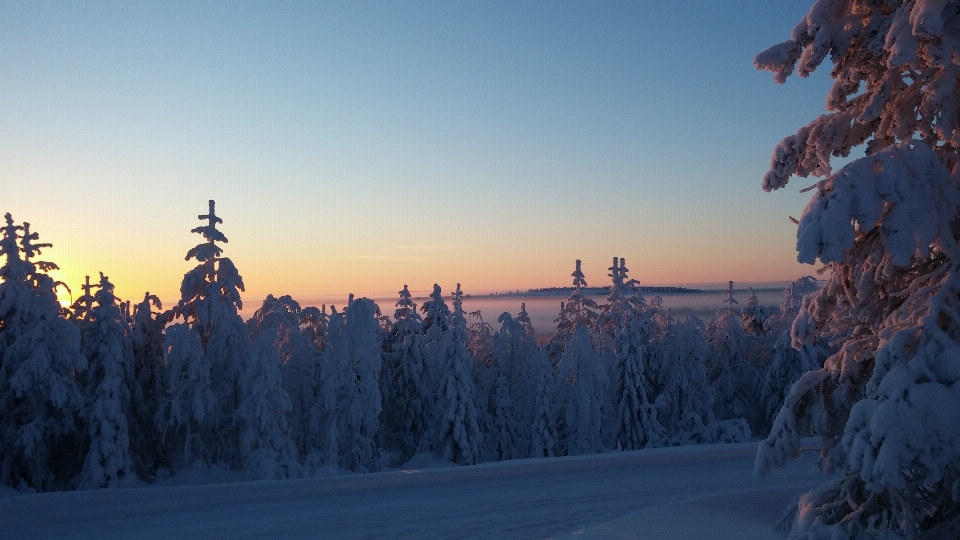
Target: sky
{"points": [[360, 146]]}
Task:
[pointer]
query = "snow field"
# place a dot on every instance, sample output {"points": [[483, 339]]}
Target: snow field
{"points": [[704, 491]]}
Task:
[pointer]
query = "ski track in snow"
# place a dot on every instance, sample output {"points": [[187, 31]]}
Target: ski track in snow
{"points": [[685, 492]]}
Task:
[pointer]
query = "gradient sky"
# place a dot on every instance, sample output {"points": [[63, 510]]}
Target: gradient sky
{"points": [[359, 146]]}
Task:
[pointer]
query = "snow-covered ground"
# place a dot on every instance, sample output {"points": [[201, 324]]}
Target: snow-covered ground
{"points": [[704, 491]]}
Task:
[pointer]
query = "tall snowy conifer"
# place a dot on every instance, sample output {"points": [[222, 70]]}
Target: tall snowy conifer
{"points": [[730, 368], [515, 356], [543, 439], [459, 432], [578, 310], [414, 400], [581, 390], [436, 320], [189, 414], [267, 450], [627, 331], [109, 382], [209, 301], [40, 401], [788, 364], [885, 225], [146, 339], [679, 379], [280, 319], [313, 325], [348, 414]]}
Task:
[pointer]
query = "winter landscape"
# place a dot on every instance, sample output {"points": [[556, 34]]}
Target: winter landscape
{"points": [[608, 366]]}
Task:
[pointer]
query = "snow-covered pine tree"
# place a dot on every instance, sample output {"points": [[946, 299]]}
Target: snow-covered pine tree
{"points": [[484, 373], [636, 421], [543, 439], [414, 400], [754, 315], [581, 389], [503, 439], [458, 433], [313, 325], [515, 356], [267, 450], [189, 414], [209, 301], [627, 332], [299, 363], [109, 380], [81, 307], [361, 451], [788, 364], [679, 379], [40, 401], [731, 366], [524, 319], [146, 340], [436, 320], [885, 225], [578, 310], [346, 419]]}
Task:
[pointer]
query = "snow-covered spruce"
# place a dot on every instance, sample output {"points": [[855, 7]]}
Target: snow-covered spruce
{"points": [[109, 380], [578, 310], [146, 339], [581, 389], [414, 400], [266, 448], [436, 320], [515, 357], [458, 433], [280, 320], [209, 301], [40, 401], [884, 225], [346, 418]]}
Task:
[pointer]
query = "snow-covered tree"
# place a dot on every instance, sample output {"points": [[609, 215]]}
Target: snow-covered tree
{"points": [[188, 417], [627, 333], [209, 301], [543, 439], [81, 308], [636, 422], [436, 320], [885, 225], [787, 364], [679, 380], [347, 418], [458, 433], [730, 366], [40, 401], [280, 319], [754, 315], [578, 310], [581, 390], [267, 450], [313, 324], [146, 340], [414, 400], [109, 354], [515, 357]]}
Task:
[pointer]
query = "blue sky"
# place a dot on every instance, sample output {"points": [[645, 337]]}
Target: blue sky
{"points": [[358, 146]]}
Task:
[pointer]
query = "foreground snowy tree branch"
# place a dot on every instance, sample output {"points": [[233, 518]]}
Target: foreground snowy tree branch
{"points": [[886, 226]]}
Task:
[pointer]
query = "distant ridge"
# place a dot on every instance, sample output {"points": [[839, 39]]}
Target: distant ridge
{"points": [[565, 291]]}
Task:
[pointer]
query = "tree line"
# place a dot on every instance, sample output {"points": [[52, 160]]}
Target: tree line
{"points": [[106, 393]]}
